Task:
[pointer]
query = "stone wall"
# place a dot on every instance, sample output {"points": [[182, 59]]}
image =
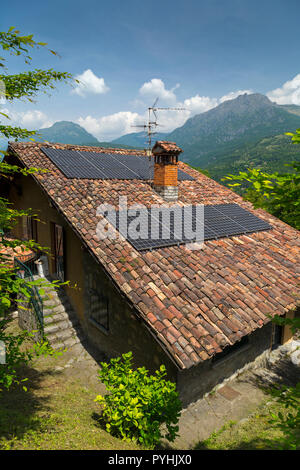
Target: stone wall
{"points": [[126, 331], [27, 318], [193, 383]]}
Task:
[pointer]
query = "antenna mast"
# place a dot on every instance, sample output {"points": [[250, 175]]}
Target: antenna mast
{"points": [[151, 125]]}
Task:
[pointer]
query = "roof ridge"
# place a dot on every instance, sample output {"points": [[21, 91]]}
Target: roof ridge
{"points": [[95, 149]]}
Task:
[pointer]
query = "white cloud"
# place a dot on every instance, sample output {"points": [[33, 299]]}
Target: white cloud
{"points": [[234, 94], [289, 93], [35, 120], [156, 88], [30, 120], [89, 83], [199, 104], [169, 120], [109, 127]]}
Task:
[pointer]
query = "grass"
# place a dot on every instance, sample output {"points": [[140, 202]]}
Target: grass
{"points": [[56, 411], [253, 433], [53, 414]]}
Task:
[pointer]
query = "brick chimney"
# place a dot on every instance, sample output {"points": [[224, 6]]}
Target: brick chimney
{"points": [[165, 180]]}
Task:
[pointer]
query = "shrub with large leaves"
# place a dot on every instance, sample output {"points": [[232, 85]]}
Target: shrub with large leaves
{"points": [[138, 405]]}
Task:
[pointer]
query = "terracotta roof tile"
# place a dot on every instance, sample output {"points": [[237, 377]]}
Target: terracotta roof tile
{"points": [[21, 252]]}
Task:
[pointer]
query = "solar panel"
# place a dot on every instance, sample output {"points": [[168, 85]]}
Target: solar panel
{"points": [[94, 165], [220, 220]]}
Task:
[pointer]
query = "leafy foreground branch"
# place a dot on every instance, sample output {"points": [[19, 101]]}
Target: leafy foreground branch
{"points": [[278, 194], [27, 85], [23, 86], [16, 291], [289, 422], [138, 405]]}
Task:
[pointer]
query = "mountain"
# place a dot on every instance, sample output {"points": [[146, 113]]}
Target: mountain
{"points": [[291, 108], [270, 154], [240, 133], [66, 132], [246, 131], [206, 138], [137, 139]]}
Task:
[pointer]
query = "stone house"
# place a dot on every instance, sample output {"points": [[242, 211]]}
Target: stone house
{"points": [[203, 313]]}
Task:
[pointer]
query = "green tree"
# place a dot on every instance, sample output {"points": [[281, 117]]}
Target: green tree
{"points": [[289, 397], [295, 137], [23, 86], [278, 194]]}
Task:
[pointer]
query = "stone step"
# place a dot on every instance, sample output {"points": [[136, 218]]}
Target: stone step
{"points": [[61, 322], [67, 339], [71, 341], [59, 326], [49, 296], [59, 308], [68, 343], [47, 288], [57, 317], [57, 345], [50, 303], [53, 293]]}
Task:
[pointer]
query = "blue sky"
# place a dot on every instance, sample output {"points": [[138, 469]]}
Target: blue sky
{"points": [[193, 54]]}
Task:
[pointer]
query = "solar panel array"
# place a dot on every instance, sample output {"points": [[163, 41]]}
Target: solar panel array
{"points": [[94, 165], [221, 220]]}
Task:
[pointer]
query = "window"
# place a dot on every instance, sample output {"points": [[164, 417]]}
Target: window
{"points": [[99, 309], [277, 335], [29, 228], [230, 350]]}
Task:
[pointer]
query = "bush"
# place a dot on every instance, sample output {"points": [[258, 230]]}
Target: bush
{"points": [[138, 404]]}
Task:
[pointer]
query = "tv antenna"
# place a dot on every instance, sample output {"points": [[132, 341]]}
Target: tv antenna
{"points": [[152, 124]]}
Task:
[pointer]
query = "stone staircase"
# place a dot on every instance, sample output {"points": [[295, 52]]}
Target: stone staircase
{"points": [[61, 325]]}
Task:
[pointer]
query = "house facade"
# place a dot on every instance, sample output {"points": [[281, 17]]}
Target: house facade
{"points": [[203, 313]]}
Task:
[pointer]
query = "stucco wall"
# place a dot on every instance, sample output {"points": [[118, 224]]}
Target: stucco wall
{"points": [[26, 194]]}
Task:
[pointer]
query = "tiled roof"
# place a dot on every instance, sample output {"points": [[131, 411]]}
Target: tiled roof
{"points": [[195, 302], [21, 252]]}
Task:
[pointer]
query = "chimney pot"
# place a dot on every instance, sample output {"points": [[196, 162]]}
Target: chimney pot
{"points": [[165, 181]]}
